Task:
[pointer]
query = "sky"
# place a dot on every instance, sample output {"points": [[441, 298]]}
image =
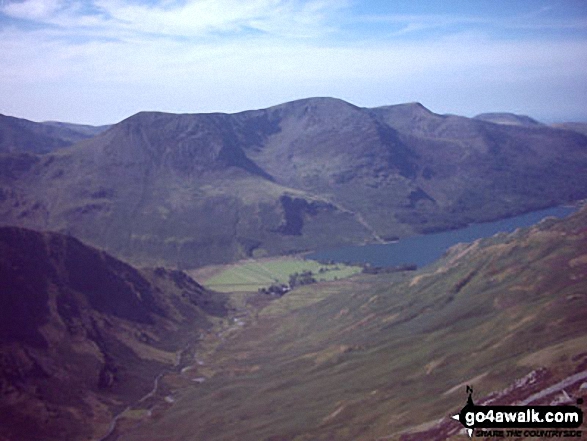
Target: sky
{"points": [[100, 61]]}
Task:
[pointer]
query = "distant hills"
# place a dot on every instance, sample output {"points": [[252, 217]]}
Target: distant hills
{"points": [[509, 119], [574, 126], [21, 135], [194, 189], [83, 334]]}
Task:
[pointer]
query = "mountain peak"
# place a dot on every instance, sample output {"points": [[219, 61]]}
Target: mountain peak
{"points": [[415, 105], [182, 142], [323, 105], [406, 108], [317, 100]]}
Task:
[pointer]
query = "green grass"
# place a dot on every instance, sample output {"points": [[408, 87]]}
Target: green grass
{"points": [[251, 275]]}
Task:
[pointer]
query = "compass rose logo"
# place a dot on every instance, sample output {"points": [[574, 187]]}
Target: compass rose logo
{"points": [[468, 407]]}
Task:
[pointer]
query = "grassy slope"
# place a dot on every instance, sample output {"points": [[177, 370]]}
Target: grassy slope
{"points": [[373, 356]]}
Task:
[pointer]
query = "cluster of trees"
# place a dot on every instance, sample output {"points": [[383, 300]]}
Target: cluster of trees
{"points": [[307, 277], [368, 269], [276, 289], [303, 278], [295, 279]]}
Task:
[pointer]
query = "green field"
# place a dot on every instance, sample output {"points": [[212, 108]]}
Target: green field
{"points": [[251, 275]]}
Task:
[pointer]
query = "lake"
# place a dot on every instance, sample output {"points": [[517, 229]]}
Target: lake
{"points": [[422, 250]]}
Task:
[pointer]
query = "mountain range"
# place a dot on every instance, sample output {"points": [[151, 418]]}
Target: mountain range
{"points": [[193, 189]]}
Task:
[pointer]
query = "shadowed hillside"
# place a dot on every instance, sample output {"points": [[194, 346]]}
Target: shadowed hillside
{"points": [[83, 334], [194, 189]]}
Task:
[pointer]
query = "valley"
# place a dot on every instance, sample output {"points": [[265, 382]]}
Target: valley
{"points": [[293, 220], [388, 356]]}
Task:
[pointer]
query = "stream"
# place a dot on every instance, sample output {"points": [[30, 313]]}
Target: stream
{"points": [[232, 324]]}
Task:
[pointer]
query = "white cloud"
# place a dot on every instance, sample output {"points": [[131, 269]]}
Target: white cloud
{"points": [[536, 20], [173, 18], [32, 9]]}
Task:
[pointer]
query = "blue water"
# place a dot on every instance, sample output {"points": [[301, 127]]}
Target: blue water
{"points": [[422, 250]]}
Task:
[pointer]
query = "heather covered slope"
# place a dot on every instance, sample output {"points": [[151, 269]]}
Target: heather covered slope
{"points": [[194, 189], [388, 356], [83, 334]]}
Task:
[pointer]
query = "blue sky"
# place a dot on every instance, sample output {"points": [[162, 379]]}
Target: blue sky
{"points": [[99, 61]]}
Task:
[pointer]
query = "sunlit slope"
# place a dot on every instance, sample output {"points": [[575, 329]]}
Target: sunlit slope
{"points": [[376, 357]]}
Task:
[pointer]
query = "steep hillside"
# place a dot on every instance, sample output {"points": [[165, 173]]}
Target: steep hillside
{"points": [[83, 334], [387, 357], [189, 190]]}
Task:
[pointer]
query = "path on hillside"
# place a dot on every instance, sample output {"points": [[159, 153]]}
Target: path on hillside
{"points": [[360, 219], [369, 228]]}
